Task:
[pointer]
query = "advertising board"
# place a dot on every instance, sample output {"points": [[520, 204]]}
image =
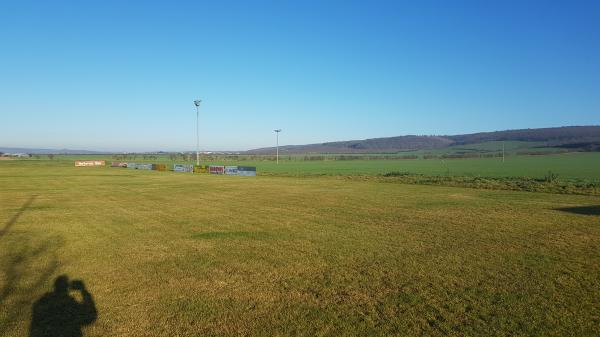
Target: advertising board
{"points": [[84, 163], [216, 169], [143, 166], [159, 167], [231, 170], [139, 166], [183, 168], [246, 171], [118, 164], [200, 168]]}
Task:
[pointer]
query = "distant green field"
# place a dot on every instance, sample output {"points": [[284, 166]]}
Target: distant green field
{"points": [[572, 165], [575, 165], [175, 254]]}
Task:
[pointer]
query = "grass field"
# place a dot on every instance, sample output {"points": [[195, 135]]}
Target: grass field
{"points": [[167, 254], [572, 165], [576, 165]]}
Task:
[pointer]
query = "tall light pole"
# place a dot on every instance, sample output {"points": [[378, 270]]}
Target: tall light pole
{"points": [[197, 104], [277, 131]]}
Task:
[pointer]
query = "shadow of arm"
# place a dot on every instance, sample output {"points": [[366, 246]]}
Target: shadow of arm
{"points": [[88, 310]]}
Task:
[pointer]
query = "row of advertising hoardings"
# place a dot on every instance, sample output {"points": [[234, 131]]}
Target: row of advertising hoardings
{"points": [[246, 171], [189, 168]]}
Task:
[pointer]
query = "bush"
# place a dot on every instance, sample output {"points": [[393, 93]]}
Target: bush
{"points": [[551, 177], [396, 174], [549, 184]]}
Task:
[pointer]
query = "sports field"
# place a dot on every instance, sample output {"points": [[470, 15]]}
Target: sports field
{"points": [[175, 254], [569, 165], [575, 165]]}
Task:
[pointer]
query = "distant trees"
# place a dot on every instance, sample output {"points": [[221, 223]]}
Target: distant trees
{"points": [[554, 136], [51, 156]]}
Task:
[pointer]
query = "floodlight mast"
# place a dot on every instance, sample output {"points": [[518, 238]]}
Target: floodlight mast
{"points": [[277, 131], [197, 104]]}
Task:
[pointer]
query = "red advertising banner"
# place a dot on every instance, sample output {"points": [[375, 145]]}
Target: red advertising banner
{"points": [[216, 169]]}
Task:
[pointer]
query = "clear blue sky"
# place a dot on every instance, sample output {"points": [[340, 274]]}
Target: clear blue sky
{"points": [[122, 75]]}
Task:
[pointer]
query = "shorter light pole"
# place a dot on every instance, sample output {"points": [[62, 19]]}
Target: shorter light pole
{"points": [[277, 131], [197, 104]]}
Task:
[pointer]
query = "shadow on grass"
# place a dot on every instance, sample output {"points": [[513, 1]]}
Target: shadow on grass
{"points": [[57, 313], [26, 267], [28, 260], [584, 210], [17, 215]]}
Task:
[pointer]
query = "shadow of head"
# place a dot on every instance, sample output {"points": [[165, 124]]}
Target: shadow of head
{"points": [[61, 284], [584, 210], [58, 313]]}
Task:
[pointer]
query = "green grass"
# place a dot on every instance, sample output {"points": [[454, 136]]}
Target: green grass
{"points": [[572, 165], [577, 165], [168, 254]]}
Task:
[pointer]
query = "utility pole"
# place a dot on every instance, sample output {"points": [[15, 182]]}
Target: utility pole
{"points": [[277, 131], [503, 152], [197, 104]]}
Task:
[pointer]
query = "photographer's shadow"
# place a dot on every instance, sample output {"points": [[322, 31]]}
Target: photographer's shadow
{"points": [[58, 314]]}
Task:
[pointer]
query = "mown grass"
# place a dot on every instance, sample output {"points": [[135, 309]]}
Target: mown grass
{"points": [[168, 254]]}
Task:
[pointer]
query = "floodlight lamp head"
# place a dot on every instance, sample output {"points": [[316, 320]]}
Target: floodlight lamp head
{"points": [[277, 130], [197, 102]]}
